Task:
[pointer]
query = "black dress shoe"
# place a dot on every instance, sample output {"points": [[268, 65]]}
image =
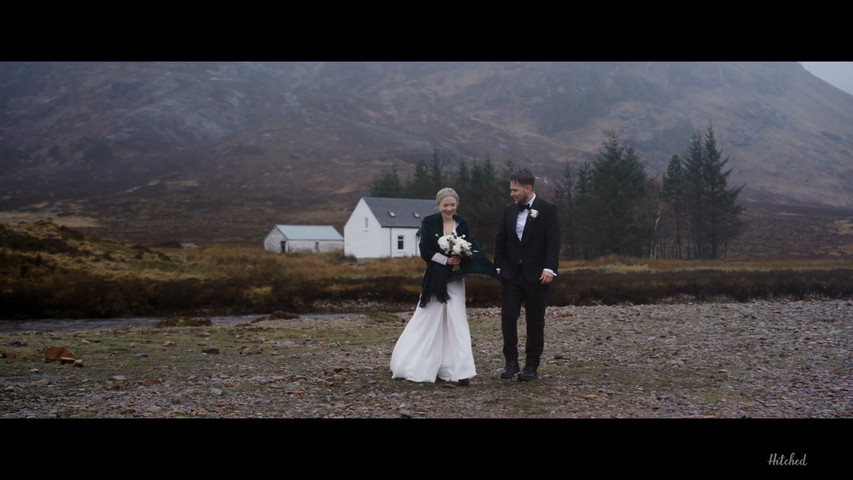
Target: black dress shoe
{"points": [[510, 370], [528, 374], [463, 382]]}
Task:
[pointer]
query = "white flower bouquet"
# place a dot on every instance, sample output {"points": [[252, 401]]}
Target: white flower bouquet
{"points": [[453, 244]]}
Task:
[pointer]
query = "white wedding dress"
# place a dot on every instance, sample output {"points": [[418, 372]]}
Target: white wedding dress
{"points": [[436, 343]]}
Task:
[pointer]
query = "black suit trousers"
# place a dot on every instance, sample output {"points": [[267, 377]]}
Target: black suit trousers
{"points": [[519, 291]]}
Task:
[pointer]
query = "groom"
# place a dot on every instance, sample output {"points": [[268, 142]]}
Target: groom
{"points": [[527, 251]]}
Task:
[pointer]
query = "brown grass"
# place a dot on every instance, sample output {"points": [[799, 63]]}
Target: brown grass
{"points": [[48, 270], [617, 264], [242, 261]]}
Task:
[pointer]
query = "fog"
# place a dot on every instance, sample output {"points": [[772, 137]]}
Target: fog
{"points": [[837, 74]]}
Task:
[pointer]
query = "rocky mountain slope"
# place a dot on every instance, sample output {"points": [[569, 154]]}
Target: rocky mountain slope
{"points": [[215, 152]]}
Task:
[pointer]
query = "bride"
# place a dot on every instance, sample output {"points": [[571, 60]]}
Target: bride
{"points": [[436, 343]]}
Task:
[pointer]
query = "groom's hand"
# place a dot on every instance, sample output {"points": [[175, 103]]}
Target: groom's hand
{"points": [[546, 277]]}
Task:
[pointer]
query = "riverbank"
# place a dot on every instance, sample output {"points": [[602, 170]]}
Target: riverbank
{"points": [[698, 360], [14, 326]]}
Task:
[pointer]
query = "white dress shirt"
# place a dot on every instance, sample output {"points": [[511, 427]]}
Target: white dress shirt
{"points": [[521, 220]]}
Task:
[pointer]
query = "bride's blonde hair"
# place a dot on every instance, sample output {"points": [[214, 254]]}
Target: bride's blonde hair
{"points": [[446, 192]]}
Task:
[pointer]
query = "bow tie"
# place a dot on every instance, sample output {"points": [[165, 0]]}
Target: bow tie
{"points": [[524, 207]]}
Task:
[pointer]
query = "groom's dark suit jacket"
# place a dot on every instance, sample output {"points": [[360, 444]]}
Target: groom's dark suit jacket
{"points": [[539, 247]]}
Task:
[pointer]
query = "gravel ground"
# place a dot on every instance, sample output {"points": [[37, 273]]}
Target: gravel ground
{"points": [[786, 359]]}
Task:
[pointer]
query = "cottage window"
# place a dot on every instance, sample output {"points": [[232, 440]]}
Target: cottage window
{"points": [[365, 223], [400, 242]]}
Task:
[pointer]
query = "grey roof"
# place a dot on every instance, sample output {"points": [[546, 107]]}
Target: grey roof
{"points": [[400, 212], [309, 232]]}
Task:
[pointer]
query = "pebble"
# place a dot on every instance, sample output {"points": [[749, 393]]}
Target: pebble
{"points": [[784, 359]]}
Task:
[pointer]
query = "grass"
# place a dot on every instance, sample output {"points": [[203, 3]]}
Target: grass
{"points": [[50, 271]]}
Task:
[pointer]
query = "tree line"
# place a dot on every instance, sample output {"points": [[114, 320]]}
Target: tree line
{"points": [[608, 206]]}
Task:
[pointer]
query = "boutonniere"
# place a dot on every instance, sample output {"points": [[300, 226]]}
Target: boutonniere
{"points": [[534, 213]]}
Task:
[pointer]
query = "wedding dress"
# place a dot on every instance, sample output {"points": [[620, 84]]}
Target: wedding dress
{"points": [[436, 343]]}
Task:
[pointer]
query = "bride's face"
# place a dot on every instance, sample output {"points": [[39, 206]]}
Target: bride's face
{"points": [[447, 206]]}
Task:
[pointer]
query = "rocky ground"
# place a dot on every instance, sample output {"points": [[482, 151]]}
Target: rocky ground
{"points": [[722, 371], [684, 360]]}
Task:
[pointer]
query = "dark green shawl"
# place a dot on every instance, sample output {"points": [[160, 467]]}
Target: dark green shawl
{"points": [[436, 275]]}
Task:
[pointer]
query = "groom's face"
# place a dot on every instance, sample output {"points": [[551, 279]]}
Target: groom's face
{"points": [[520, 194]]}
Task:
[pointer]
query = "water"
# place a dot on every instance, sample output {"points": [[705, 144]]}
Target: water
{"points": [[56, 325]]}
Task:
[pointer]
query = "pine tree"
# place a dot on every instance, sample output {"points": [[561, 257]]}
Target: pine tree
{"points": [[436, 176], [693, 191], [610, 207], [563, 200], [672, 194], [583, 212], [712, 212], [387, 185], [420, 184], [463, 179], [620, 186], [724, 222], [480, 205]]}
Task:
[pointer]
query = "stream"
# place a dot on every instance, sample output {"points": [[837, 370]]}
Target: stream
{"points": [[47, 325]]}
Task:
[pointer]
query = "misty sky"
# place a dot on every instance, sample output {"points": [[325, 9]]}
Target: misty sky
{"points": [[838, 74]]}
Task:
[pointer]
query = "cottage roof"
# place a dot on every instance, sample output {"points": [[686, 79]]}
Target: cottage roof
{"points": [[309, 232], [400, 212]]}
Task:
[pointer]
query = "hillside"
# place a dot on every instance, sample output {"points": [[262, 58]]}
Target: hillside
{"points": [[219, 152]]}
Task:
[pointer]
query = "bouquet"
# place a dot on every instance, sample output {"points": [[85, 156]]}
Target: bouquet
{"points": [[452, 244]]}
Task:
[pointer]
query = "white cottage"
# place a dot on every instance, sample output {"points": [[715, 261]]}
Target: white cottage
{"points": [[303, 238], [386, 227]]}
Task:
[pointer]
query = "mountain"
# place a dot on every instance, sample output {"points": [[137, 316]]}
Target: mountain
{"points": [[206, 152]]}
